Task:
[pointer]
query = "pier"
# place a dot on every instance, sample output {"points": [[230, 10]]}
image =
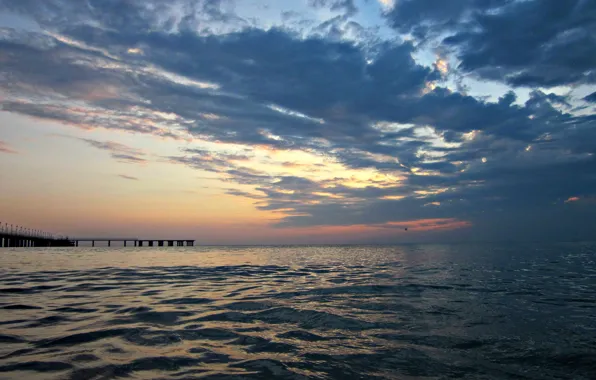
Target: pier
{"points": [[17, 236], [135, 242], [13, 236]]}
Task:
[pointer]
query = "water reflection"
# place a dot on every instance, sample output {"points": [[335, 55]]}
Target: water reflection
{"points": [[461, 311]]}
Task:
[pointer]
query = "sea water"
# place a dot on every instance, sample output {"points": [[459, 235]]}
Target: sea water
{"points": [[467, 311]]}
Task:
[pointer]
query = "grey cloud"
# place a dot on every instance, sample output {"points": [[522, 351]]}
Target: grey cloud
{"points": [[242, 194], [119, 152], [222, 164], [111, 146], [591, 98], [128, 177], [433, 16], [510, 193], [523, 43], [127, 158]]}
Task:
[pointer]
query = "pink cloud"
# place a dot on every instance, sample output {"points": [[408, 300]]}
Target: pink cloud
{"points": [[5, 148]]}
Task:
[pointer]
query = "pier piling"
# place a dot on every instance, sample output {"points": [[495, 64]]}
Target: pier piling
{"points": [[13, 236]]}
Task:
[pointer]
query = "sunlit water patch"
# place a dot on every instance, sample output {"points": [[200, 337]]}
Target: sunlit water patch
{"points": [[404, 312]]}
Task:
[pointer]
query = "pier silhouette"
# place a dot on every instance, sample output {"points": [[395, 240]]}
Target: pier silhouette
{"points": [[13, 236], [136, 242], [18, 236]]}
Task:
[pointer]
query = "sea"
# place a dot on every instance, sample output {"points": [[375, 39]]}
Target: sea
{"points": [[458, 311]]}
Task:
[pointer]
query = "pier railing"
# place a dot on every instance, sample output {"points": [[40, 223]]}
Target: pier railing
{"points": [[12, 235], [13, 229]]}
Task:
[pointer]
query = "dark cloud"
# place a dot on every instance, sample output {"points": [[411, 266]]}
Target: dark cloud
{"points": [[591, 98], [523, 43], [133, 66], [423, 17]]}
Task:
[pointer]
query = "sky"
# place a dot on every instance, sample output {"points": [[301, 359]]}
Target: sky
{"points": [[300, 121]]}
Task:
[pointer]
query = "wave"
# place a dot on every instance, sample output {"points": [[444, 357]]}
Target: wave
{"points": [[302, 320]]}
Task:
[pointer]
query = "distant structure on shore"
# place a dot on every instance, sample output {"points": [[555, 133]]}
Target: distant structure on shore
{"points": [[12, 236]]}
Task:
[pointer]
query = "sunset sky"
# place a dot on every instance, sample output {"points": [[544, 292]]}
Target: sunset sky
{"points": [[299, 121]]}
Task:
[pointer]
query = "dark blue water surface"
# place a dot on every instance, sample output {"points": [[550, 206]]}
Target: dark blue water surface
{"points": [[356, 312]]}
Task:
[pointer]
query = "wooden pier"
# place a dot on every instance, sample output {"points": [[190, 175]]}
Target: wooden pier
{"points": [[12, 236]]}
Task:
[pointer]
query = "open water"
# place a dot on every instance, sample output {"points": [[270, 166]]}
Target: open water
{"points": [[335, 312]]}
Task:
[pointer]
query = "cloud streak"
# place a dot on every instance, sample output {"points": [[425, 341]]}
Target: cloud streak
{"points": [[119, 152], [6, 148], [128, 177]]}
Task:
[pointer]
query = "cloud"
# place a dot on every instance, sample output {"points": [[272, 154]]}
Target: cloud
{"points": [[384, 138], [428, 224], [119, 152], [6, 148], [127, 158], [591, 98], [128, 177], [523, 43], [346, 6]]}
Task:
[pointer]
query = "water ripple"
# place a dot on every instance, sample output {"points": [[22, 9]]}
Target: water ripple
{"points": [[468, 312]]}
